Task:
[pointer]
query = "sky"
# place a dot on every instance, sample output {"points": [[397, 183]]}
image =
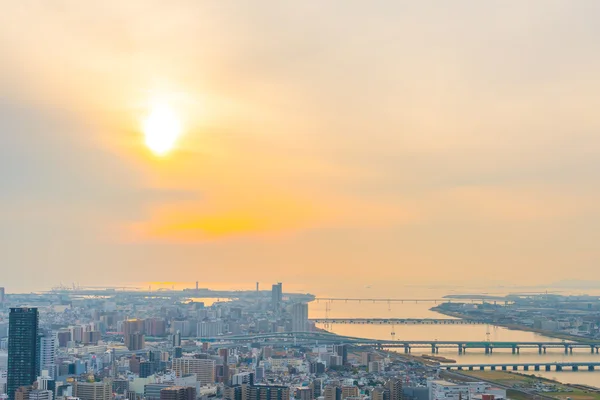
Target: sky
{"points": [[327, 145]]}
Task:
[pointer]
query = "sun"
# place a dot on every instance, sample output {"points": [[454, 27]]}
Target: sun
{"points": [[161, 128]]}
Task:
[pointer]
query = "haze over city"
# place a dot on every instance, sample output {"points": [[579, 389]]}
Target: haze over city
{"points": [[330, 145]]}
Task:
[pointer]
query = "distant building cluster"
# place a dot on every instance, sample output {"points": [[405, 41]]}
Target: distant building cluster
{"points": [[132, 346]]}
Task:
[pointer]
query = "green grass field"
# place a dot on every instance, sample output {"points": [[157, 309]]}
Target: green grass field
{"points": [[503, 377], [509, 379]]}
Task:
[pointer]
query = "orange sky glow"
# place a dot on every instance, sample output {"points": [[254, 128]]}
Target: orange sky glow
{"points": [[391, 142]]}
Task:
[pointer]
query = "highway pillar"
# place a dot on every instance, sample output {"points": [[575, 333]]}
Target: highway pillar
{"points": [[487, 349], [566, 349], [539, 349], [575, 368], [526, 367], [493, 367], [536, 367], [470, 368], [504, 368], [592, 347], [570, 349], [515, 368], [590, 367], [406, 348], [460, 349], [548, 368], [482, 368], [559, 367], [514, 349]]}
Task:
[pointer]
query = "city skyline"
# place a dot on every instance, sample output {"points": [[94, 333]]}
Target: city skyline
{"points": [[408, 143]]}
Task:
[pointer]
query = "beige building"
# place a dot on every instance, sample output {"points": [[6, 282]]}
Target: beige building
{"points": [[93, 391], [203, 369], [380, 393], [349, 391]]}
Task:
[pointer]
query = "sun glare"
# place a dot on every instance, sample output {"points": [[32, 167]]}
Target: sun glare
{"points": [[161, 129]]}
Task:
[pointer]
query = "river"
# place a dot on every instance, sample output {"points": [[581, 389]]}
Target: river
{"points": [[341, 309]]}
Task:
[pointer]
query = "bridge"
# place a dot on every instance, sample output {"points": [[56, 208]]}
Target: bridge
{"points": [[409, 300], [489, 347], [396, 321], [462, 346], [556, 366]]}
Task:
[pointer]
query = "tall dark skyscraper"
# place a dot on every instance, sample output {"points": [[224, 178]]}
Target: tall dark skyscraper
{"points": [[277, 296], [22, 348]]}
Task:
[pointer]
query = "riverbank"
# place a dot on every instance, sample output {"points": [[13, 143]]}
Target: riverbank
{"points": [[534, 385], [552, 334]]}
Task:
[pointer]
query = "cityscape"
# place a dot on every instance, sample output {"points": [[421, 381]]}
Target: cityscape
{"points": [[197, 343], [299, 200]]}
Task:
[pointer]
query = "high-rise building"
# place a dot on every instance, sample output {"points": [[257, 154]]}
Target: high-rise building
{"points": [[2, 295], [342, 351], [380, 393], [203, 368], [300, 317], [317, 386], [47, 353], [394, 385], [243, 378], [134, 364], [176, 339], [135, 341], [155, 327], [22, 349], [45, 382], [76, 333], [64, 337], [178, 393], [349, 391], [259, 374], [183, 327], [304, 393], [317, 368], [332, 392], [147, 368], [132, 330], [208, 329], [374, 367], [178, 352], [91, 337], [268, 392], [237, 392], [93, 390], [277, 296]]}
